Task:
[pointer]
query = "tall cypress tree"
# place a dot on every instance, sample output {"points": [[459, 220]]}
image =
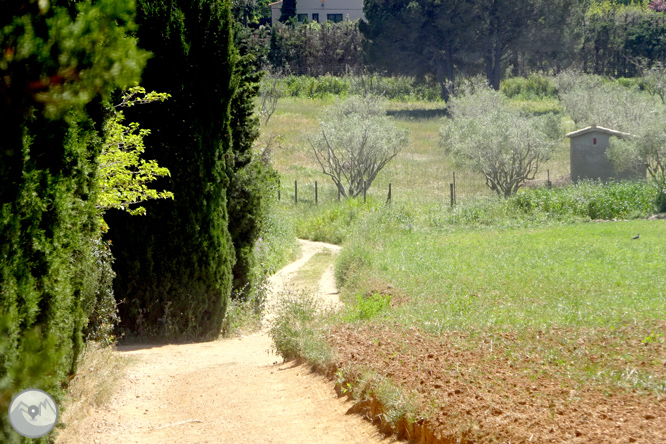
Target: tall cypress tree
{"points": [[174, 265], [55, 62], [252, 180]]}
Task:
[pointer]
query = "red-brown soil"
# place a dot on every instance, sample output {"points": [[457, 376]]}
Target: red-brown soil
{"points": [[495, 389]]}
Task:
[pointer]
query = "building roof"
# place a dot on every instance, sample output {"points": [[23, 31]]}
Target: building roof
{"points": [[275, 3], [599, 129]]}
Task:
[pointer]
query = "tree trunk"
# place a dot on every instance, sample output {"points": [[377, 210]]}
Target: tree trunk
{"points": [[445, 74]]}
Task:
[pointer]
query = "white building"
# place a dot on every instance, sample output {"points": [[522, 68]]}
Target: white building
{"points": [[322, 10]]}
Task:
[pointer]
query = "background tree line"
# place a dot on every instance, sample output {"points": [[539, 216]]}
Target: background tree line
{"points": [[450, 40]]}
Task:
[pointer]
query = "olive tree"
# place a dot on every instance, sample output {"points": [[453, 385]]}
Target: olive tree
{"points": [[591, 99], [356, 140], [487, 135]]}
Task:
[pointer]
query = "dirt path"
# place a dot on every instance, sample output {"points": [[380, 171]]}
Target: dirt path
{"points": [[227, 391]]}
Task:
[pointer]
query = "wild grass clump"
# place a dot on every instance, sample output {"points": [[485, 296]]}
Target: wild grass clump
{"points": [[367, 307], [366, 387], [100, 371], [298, 329], [332, 222], [246, 310], [277, 244]]}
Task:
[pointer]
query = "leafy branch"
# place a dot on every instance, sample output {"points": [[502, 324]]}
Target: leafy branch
{"points": [[122, 174]]}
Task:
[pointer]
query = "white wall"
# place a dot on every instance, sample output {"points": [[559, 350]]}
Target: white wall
{"points": [[350, 9]]}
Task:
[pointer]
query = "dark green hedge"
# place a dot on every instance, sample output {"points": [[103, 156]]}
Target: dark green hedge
{"points": [[174, 265], [48, 148]]}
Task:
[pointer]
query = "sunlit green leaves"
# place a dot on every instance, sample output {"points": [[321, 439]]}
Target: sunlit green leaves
{"points": [[123, 175]]}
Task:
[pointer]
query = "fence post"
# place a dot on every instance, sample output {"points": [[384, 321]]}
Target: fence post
{"points": [[389, 195], [549, 184], [316, 194], [452, 197], [454, 187], [365, 190], [295, 191]]}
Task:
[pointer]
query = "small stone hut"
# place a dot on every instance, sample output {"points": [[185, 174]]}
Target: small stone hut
{"points": [[589, 159]]}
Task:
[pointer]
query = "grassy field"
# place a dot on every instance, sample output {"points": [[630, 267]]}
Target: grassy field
{"points": [[420, 173], [545, 299]]}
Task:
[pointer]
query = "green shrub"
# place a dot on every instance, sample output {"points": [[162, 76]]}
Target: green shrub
{"points": [[393, 88], [50, 144], [332, 222], [590, 200], [103, 317], [534, 87], [174, 265]]}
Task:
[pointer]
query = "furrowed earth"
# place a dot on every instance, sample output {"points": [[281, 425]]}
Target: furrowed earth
{"points": [[478, 388]]}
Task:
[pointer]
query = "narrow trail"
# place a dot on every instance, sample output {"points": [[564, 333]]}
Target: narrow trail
{"points": [[225, 391]]}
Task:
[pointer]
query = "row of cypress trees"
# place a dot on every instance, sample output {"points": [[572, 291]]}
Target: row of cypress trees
{"points": [[176, 266]]}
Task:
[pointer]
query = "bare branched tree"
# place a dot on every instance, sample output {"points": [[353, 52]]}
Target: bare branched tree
{"points": [[485, 134], [269, 94], [355, 142]]}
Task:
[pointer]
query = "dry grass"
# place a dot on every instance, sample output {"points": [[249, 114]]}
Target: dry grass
{"points": [[99, 371]]}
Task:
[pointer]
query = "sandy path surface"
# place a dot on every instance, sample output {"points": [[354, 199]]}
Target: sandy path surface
{"points": [[226, 391]]}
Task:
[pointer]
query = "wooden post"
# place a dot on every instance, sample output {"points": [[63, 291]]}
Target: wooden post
{"points": [[389, 194], [316, 194], [295, 191], [364, 191], [452, 201], [278, 194], [454, 187], [549, 184]]}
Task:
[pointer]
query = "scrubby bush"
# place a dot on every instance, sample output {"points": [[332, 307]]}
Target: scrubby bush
{"points": [[399, 88], [297, 329]]}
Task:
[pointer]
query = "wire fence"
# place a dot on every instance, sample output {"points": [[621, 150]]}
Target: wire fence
{"points": [[454, 187]]}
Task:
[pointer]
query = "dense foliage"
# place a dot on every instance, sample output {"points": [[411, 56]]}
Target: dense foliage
{"points": [[449, 39], [174, 264], [618, 36], [56, 62], [316, 49]]}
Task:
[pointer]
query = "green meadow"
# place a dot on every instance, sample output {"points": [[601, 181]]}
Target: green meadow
{"points": [[560, 261]]}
